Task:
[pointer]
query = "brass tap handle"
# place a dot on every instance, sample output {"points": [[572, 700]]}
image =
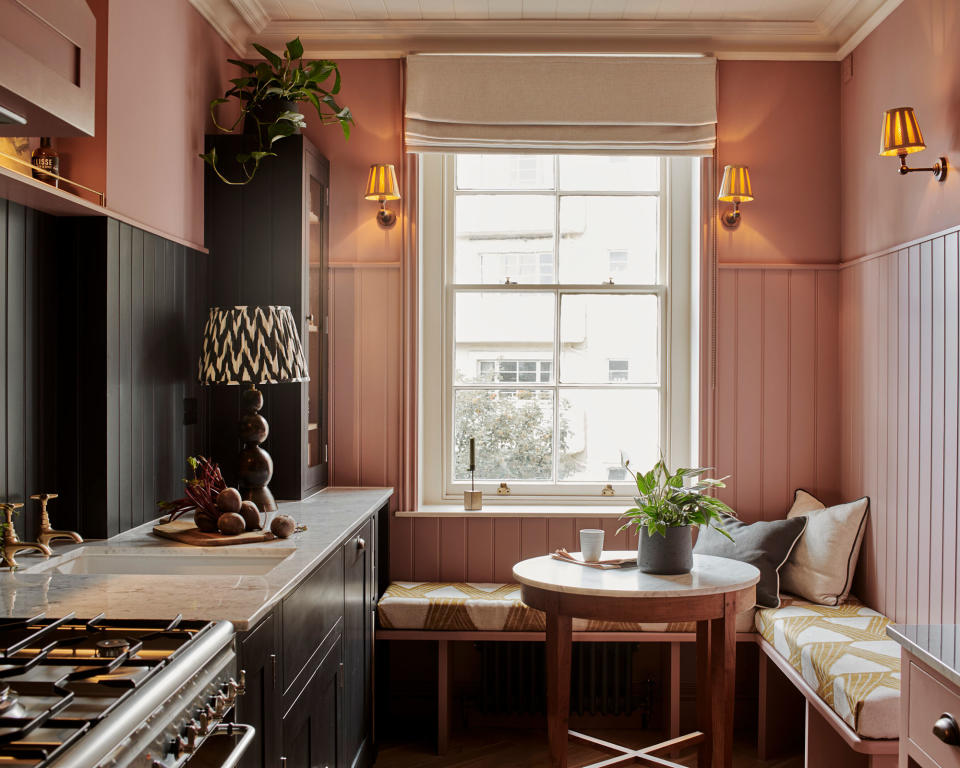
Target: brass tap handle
{"points": [[47, 532], [10, 533]]}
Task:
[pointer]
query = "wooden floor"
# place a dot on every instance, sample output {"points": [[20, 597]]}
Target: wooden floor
{"points": [[503, 748]]}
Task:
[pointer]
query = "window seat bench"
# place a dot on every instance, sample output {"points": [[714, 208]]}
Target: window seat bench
{"points": [[832, 668]]}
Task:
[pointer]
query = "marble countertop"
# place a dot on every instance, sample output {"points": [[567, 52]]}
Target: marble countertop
{"points": [[710, 576], [329, 515], [936, 645]]}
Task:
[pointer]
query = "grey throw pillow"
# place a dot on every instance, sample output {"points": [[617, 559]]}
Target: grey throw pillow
{"points": [[765, 544]]}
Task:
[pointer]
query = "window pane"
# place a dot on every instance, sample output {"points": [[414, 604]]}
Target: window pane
{"points": [[597, 425], [609, 174], [503, 338], [604, 237], [504, 172], [501, 236], [606, 335], [513, 430]]}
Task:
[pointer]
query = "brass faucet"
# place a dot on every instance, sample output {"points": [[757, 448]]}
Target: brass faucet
{"points": [[47, 532], [11, 542]]}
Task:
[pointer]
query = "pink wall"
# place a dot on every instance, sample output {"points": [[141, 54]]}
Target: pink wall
{"points": [[899, 318], [781, 118], [165, 64], [777, 425], [912, 59], [775, 402], [365, 285]]}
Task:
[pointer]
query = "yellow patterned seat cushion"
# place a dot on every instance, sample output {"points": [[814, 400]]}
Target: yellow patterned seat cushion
{"points": [[491, 607], [844, 654]]}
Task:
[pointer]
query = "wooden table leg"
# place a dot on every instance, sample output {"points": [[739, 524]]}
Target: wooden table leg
{"points": [[723, 662], [559, 638], [704, 693]]}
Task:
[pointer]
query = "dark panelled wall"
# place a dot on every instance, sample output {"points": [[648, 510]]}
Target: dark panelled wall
{"points": [[27, 361], [100, 329], [132, 307]]}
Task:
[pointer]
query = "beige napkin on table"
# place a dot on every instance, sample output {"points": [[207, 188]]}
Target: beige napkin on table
{"points": [[604, 565]]}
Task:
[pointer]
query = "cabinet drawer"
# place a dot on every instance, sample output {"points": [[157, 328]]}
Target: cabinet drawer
{"points": [[930, 698], [309, 613]]}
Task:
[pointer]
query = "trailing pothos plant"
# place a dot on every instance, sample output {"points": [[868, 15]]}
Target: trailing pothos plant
{"points": [[267, 93], [664, 500]]}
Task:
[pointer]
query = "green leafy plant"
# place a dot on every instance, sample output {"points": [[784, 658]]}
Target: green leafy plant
{"points": [[664, 500], [267, 92]]}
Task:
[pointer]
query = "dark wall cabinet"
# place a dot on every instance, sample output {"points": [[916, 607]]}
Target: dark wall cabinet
{"points": [[309, 665], [268, 243]]}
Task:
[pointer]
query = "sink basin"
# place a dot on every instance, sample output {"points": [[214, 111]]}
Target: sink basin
{"points": [[200, 561]]}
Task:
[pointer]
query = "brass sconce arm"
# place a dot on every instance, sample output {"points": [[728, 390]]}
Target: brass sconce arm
{"points": [[939, 168], [731, 218]]}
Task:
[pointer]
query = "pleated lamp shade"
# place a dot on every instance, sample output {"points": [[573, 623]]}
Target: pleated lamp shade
{"points": [[735, 187], [251, 345], [382, 183], [901, 132]]}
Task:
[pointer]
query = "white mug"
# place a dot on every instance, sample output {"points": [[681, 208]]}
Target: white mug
{"points": [[591, 544]]}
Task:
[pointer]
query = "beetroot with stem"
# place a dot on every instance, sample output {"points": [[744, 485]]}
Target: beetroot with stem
{"points": [[201, 491]]}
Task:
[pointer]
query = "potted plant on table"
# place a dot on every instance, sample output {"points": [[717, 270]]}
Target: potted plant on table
{"points": [[268, 93], [667, 506]]}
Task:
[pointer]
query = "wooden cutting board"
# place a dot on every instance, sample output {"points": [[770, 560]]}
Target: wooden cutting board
{"points": [[187, 532]]}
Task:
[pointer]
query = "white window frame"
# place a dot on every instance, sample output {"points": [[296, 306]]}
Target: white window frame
{"points": [[679, 231]]}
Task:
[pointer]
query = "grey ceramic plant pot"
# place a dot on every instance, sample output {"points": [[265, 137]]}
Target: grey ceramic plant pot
{"points": [[667, 555]]}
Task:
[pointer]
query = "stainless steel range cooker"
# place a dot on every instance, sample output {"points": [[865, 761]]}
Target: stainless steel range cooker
{"points": [[85, 693]]}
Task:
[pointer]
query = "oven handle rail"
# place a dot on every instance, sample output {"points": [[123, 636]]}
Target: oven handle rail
{"points": [[97, 745], [233, 759]]}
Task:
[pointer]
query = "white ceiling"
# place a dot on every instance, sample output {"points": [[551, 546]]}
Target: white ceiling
{"points": [[765, 29]]}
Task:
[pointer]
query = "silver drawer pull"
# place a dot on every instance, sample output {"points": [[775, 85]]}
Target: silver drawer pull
{"points": [[947, 730], [361, 543]]}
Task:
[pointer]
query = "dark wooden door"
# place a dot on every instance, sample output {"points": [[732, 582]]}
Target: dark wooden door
{"points": [[311, 726], [260, 705], [358, 646]]}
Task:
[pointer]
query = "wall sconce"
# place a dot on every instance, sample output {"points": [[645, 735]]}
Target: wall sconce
{"points": [[735, 188], [901, 136], [382, 186]]}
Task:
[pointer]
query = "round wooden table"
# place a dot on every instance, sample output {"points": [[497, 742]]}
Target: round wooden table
{"points": [[712, 594]]}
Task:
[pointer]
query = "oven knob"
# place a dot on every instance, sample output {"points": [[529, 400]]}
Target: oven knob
{"points": [[231, 690], [189, 743], [220, 705], [242, 689], [203, 721]]}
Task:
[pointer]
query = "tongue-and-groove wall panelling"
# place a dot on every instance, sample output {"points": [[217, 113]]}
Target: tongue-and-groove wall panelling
{"points": [[899, 359]]}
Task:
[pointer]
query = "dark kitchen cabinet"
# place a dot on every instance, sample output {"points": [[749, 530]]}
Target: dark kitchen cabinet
{"points": [[309, 665], [269, 243], [312, 736], [359, 602], [259, 659]]}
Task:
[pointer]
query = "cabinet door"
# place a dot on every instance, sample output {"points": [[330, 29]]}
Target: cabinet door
{"points": [[315, 326], [358, 645], [311, 732], [260, 705]]}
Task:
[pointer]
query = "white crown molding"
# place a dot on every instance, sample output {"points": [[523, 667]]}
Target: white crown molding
{"points": [[252, 13], [227, 22], [817, 40], [875, 20]]}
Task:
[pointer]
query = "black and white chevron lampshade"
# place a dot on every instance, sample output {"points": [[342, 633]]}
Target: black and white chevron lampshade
{"points": [[251, 345]]}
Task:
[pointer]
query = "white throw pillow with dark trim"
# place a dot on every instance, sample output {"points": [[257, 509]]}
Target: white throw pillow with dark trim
{"points": [[821, 566], [765, 544]]}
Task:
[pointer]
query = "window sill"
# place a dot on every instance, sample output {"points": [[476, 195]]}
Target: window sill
{"points": [[520, 510]]}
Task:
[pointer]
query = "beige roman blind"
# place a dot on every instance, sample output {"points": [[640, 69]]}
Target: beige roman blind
{"points": [[654, 105]]}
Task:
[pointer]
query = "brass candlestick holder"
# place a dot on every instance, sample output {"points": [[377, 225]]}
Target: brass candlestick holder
{"points": [[47, 531], [473, 499]]}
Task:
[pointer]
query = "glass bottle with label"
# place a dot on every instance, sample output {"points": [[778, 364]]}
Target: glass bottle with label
{"points": [[45, 158]]}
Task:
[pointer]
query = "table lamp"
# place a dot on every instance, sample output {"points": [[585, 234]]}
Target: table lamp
{"points": [[251, 346]]}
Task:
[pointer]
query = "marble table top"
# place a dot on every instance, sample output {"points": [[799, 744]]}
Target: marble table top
{"points": [[242, 599], [710, 576], [937, 645]]}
